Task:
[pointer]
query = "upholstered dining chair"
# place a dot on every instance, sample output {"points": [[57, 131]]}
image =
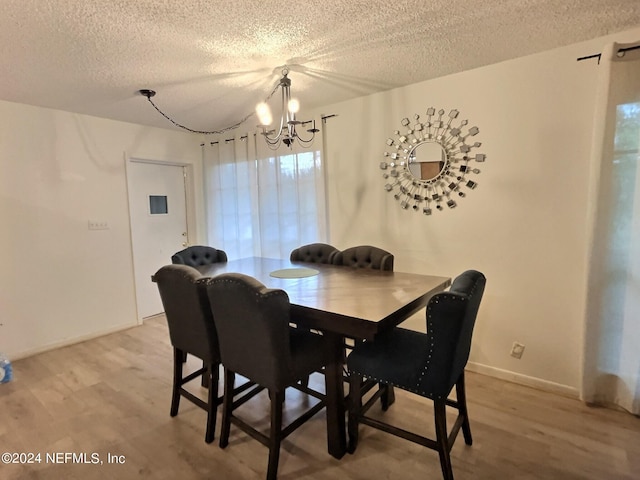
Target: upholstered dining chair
{"points": [[257, 342], [427, 364], [365, 256], [191, 330], [198, 255], [314, 253]]}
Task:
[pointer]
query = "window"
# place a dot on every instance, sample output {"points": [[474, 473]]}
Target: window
{"points": [[263, 206], [158, 205]]}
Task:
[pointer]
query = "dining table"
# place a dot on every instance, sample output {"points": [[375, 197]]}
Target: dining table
{"points": [[341, 302]]}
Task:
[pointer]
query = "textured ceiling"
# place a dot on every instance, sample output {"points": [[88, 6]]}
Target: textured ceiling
{"points": [[212, 61]]}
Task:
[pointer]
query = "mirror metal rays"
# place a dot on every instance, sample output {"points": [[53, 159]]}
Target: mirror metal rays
{"points": [[429, 164]]}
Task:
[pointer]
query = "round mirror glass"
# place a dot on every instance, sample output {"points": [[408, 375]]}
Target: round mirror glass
{"points": [[427, 160]]}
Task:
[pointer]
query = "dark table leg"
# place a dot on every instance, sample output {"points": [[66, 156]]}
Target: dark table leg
{"points": [[336, 428]]}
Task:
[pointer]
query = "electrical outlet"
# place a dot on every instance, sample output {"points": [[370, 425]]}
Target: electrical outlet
{"points": [[517, 349], [98, 225]]}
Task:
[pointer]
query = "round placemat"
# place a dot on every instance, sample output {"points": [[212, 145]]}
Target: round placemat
{"points": [[294, 273]]}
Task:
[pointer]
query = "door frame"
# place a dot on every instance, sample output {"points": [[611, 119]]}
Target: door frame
{"points": [[190, 205]]}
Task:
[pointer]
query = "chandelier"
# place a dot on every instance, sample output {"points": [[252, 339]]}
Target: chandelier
{"points": [[287, 132]]}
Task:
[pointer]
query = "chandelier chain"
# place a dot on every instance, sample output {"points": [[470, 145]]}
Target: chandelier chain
{"points": [[211, 132]]}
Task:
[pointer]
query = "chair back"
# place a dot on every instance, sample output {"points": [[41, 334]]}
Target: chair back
{"points": [[186, 306], [365, 256], [253, 328], [314, 253], [451, 317], [198, 255]]}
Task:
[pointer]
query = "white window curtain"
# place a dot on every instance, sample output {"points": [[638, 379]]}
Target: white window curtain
{"points": [[262, 202], [612, 340]]}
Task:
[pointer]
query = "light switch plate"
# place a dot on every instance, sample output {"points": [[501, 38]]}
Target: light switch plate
{"points": [[98, 225]]}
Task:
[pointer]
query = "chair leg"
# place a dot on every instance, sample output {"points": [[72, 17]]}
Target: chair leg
{"points": [[227, 407], [461, 396], [388, 396], [204, 381], [178, 355], [212, 374], [441, 438], [355, 405], [275, 438]]}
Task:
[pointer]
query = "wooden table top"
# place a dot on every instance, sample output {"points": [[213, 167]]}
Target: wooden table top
{"points": [[349, 301]]}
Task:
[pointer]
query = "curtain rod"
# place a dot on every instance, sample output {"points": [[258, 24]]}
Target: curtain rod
{"points": [[599, 55], [322, 117]]}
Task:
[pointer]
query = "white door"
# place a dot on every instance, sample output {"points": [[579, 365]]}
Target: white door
{"points": [[158, 214]]}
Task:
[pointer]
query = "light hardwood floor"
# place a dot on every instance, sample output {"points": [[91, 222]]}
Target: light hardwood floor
{"points": [[111, 395]]}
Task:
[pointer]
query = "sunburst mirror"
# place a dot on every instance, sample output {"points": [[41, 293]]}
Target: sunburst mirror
{"points": [[430, 164]]}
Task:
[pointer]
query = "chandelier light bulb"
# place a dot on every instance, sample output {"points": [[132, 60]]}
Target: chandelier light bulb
{"points": [[264, 114], [294, 105]]}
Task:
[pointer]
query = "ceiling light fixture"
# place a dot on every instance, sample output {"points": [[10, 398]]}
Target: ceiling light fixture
{"points": [[287, 132]]}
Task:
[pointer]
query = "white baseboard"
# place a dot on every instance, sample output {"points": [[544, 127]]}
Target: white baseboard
{"points": [[152, 317], [69, 341], [523, 380]]}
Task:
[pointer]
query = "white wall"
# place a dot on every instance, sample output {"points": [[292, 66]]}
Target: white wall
{"points": [[524, 226], [60, 282]]}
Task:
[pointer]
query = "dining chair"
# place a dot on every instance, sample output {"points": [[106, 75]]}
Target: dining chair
{"points": [[427, 364], [198, 255], [191, 330], [314, 253], [257, 342], [365, 256]]}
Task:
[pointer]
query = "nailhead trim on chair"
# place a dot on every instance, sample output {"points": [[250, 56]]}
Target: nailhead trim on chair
{"points": [[431, 345]]}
